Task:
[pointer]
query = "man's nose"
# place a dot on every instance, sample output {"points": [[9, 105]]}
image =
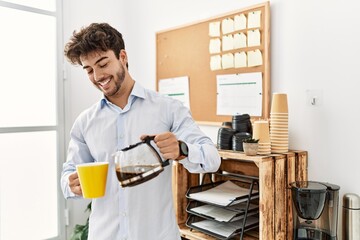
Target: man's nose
{"points": [[98, 75]]}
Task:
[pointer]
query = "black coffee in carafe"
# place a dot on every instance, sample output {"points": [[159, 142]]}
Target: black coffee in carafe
{"points": [[138, 163], [134, 175]]}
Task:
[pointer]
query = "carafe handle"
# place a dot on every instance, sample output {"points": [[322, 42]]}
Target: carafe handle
{"points": [[147, 140]]}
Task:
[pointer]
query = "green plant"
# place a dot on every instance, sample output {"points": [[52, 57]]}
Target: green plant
{"points": [[81, 231], [250, 140]]}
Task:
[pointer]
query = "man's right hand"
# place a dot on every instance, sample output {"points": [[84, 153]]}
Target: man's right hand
{"points": [[74, 184]]}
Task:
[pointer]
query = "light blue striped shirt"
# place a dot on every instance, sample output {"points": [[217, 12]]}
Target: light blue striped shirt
{"points": [[143, 212]]}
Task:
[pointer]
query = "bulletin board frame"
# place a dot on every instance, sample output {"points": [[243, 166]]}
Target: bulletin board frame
{"points": [[184, 51]]}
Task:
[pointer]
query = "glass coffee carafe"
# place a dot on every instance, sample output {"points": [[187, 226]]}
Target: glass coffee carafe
{"points": [[138, 163]]}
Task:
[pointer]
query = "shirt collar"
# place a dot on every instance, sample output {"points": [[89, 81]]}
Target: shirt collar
{"points": [[137, 91]]}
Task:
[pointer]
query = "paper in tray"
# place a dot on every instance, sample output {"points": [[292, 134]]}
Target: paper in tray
{"points": [[221, 214], [223, 194], [223, 229]]}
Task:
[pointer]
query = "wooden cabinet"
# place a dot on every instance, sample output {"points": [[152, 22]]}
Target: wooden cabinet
{"points": [[275, 172]]}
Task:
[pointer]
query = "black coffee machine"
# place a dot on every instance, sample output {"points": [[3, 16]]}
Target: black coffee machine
{"points": [[315, 210]]}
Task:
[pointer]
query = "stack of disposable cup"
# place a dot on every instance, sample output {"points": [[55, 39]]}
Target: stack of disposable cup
{"points": [[279, 123], [261, 132]]}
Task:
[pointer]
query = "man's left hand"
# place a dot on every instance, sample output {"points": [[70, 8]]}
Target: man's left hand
{"points": [[167, 144]]}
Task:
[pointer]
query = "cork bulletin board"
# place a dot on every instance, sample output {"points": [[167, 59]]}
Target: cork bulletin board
{"points": [[184, 51]]}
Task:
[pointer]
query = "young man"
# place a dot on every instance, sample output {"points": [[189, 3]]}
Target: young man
{"points": [[126, 113]]}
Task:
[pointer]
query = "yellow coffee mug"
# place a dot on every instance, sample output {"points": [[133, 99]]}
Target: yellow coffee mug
{"points": [[93, 178]]}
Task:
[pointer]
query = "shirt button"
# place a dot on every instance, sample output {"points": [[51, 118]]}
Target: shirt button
{"points": [[123, 214]]}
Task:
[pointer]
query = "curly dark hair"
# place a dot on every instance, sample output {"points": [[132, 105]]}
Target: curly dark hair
{"points": [[95, 37]]}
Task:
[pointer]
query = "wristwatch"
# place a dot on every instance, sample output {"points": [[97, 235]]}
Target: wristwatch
{"points": [[183, 149]]}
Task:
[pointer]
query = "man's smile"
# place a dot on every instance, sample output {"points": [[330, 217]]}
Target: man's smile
{"points": [[104, 83]]}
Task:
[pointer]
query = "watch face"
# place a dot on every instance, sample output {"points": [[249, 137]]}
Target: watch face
{"points": [[183, 149]]}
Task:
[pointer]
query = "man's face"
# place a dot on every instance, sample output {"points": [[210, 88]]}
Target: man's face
{"points": [[105, 71]]}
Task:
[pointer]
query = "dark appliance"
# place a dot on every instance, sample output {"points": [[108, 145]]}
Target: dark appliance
{"points": [[315, 210]]}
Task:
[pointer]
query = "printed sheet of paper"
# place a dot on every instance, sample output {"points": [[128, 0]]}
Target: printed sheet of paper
{"points": [[177, 88], [239, 94], [240, 22], [214, 29], [254, 19]]}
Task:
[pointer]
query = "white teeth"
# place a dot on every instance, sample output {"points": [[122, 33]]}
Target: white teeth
{"points": [[104, 82]]}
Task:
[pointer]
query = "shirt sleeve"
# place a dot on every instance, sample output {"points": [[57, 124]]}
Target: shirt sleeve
{"points": [[78, 152], [202, 158], [203, 155]]}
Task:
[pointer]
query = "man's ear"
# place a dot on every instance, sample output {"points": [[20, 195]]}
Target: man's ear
{"points": [[123, 56]]}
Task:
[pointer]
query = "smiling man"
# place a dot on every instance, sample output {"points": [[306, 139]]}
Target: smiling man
{"points": [[126, 113], [107, 73]]}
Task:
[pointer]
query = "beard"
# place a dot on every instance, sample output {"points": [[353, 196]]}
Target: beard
{"points": [[118, 80]]}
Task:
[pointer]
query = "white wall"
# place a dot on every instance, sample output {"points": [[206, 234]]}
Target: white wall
{"points": [[314, 46]]}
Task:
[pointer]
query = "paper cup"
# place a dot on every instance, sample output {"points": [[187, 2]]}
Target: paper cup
{"points": [[93, 178], [279, 125], [281, 117], [261, 131], [274, 142], [279, 138], [264, 144], [279, 103], [279, 114], [279, 120]]}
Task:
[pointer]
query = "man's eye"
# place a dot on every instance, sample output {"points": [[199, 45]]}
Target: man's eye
{"points": [[103, 65], [89, 71]]}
